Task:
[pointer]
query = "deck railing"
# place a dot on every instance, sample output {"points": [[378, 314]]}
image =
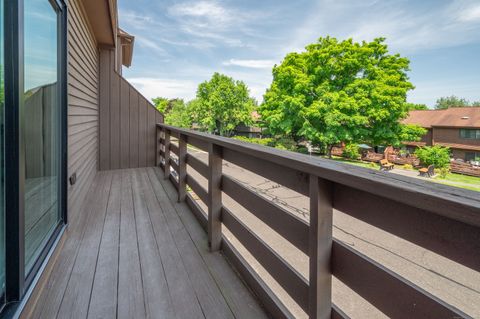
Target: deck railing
{"points": [[438, 218]]}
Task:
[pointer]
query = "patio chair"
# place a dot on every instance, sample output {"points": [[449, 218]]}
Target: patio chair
{"points": [[428, 171], [385, 165]]}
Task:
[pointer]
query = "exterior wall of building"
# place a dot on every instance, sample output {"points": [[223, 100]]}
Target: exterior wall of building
{"points": [[452, 135], [458, 154], [83, 103], [427, 138], [127, 120]]}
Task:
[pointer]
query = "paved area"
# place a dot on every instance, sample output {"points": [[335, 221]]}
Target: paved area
{"points": [[414, 174], [451, 282]]}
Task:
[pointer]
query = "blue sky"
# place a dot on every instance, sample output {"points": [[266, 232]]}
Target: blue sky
{"points": [[180, 43]]}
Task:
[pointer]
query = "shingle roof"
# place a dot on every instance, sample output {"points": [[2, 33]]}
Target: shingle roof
{"points": [[452, 117]]}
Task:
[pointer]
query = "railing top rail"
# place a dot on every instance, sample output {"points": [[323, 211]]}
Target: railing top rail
{"points": [[459, 204]]}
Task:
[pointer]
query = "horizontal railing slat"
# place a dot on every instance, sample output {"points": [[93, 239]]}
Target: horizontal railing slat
{"points": [[173, 164], [269, 299], [197, 189], [197, 165], [430, 231], [284, 274], [174, 148], [283, 175], [197, 210], [198, 143], [387, 291], [288, 226]]}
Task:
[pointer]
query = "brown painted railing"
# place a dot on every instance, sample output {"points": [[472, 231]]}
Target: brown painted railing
{"points": [[439, 218]]}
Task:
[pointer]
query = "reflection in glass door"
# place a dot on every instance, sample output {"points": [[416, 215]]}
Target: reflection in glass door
{"points": [[41, 127]]}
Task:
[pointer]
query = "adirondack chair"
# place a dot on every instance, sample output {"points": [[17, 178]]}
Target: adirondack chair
{"points": [[428, 171], [385, 165]]}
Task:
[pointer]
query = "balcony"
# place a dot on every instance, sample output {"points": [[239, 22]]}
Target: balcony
{"points": [[224, 229]]}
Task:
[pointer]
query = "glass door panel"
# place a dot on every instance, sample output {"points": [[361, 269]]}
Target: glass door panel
{"points": [[2, 166], [41, 127]]}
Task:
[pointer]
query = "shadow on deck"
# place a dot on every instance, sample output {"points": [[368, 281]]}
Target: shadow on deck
{"points": [[134, 252]]}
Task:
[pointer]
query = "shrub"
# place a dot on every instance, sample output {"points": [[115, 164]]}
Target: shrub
{"points": [[284, 143], [260, 141], [443, 172], [408, 167], [434, 155], [372, 165], [351, 151]]}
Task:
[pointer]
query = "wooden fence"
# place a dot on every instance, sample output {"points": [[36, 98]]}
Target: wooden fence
{"points": [[399, 205]]}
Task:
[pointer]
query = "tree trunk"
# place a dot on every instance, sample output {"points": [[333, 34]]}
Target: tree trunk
{"points": [[329, 151]]}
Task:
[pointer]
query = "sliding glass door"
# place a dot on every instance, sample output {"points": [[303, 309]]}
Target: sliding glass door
{"points": [[2, 166], [41, 127], [33, 140]]}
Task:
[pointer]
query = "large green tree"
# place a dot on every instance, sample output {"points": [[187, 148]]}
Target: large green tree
{"points": [[339, 91], [221, 104]]}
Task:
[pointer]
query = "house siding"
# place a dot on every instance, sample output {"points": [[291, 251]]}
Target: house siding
{"points": [[452, 135], [127, 120], [83, 104]]}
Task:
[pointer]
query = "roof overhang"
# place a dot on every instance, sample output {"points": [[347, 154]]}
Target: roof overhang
{"points": [[126, 41], [102, 15]]}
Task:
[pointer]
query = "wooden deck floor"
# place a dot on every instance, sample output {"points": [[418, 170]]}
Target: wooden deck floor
{"points": [[133, 252]]}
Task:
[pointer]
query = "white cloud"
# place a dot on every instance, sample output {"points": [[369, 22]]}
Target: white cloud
{"points": [[254, 64], [470, 14], [169, 88], [149, 44], [407, 29], [201, 9]]}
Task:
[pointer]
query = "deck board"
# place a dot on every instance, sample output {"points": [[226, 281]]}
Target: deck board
{"points": [[134, 252]]}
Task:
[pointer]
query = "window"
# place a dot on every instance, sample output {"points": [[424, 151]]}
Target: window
{"points": [[470, 134], [472, 156]]}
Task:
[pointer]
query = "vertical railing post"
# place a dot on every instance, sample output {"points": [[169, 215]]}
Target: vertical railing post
{"points": [[182, 167], [166, 156], [158, 137], [214, 197], [320, 247]]}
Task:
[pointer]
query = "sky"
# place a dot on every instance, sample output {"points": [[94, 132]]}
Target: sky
{"points": [[181, 43]]}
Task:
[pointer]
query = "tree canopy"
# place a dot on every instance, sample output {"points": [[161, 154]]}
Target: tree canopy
{"points": [[339, 91], [221, 105], [175, 111], [453, 101]]}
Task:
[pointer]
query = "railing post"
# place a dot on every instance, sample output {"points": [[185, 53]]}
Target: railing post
{"points": [[158, 136], [214, 197], [166, 154], [320, 247], [182, 167]]}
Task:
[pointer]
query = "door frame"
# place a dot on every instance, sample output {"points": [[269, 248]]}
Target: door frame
{"points": [[17, 282]]}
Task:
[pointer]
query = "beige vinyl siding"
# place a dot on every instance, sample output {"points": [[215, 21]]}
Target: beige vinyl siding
{"points": [[127, 121], [83, 104]]}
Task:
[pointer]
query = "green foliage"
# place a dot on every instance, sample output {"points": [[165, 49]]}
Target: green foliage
{"points": [[372, 165], [416, 107], [434, 155], [453, 101], [179, 115], [351, 151], [339, 92], [280, 143], [443, 172], [221, 104], [411, 133], [260, 141], [161, 104], [176, 112], [408, 167]]}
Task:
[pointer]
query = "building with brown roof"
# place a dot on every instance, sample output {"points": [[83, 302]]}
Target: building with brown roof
{"points": [[457, 128]]}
